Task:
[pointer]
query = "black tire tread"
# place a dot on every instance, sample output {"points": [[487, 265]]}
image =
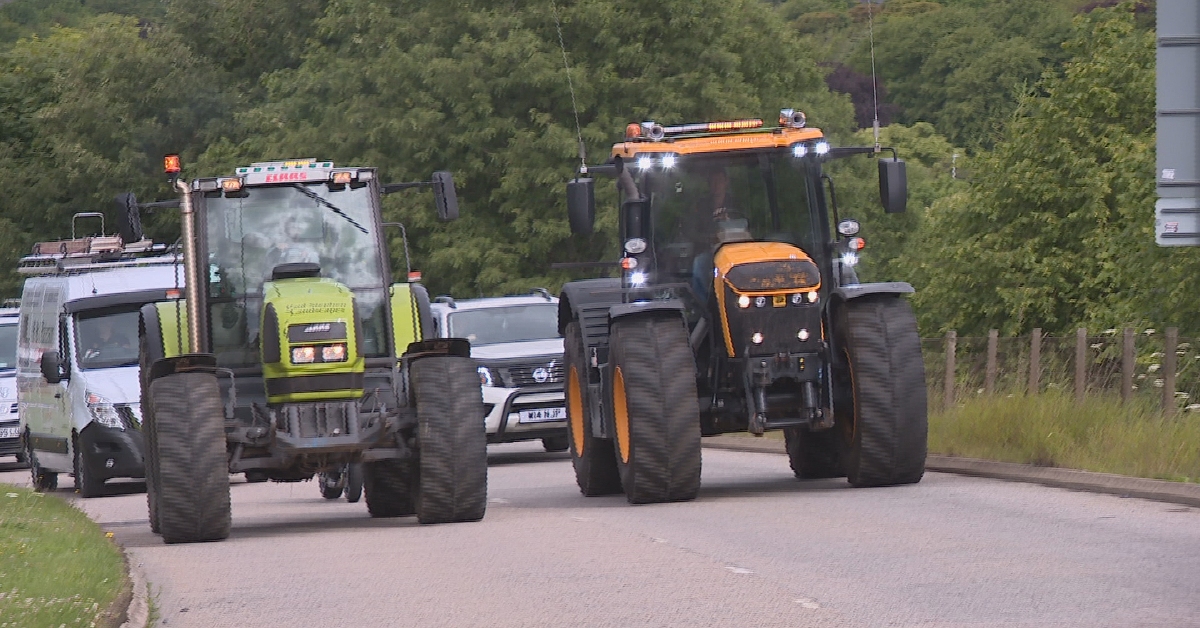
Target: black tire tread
{"points": [[85, 484], [354, 482], [146, 358], [451, 438], [595, 467], [664, 414], [814, 455], [43, 481], [389, 487], [193, 471], [891, 424]]}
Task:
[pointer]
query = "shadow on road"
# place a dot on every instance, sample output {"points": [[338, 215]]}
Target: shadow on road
{"points": [[522, 457]]}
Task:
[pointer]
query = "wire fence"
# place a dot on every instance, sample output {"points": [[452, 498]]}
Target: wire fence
{"points": [[1149, 367]]}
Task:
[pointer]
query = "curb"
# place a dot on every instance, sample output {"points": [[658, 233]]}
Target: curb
{"points": [[137, 613], [1125, 486]]}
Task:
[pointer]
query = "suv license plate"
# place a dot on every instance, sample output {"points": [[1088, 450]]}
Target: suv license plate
{"points": [[9, 432], [541, 415]]}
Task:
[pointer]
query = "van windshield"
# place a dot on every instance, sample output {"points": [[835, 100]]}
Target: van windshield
{"points": [[516, 323], [106, 340], [8, 347]]}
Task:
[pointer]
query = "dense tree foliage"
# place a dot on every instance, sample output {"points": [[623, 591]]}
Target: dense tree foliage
{"points": [[1057, 226]]}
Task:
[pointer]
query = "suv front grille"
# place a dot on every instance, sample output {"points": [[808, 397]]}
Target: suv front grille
{"points": [[533, 373]]}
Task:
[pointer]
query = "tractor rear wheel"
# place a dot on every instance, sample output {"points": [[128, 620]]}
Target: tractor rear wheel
{"points": [[389, 487], [655, 413], [594, 459], [193, 471], [452, 440], [887, 435], [814, 455], [354, 482]]}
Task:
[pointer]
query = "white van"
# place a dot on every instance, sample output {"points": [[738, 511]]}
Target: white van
{"points": [[77, 357], [10, 430]]}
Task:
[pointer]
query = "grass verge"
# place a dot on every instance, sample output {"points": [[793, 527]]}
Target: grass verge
{"points": [[57, 567], [1051, 429]]}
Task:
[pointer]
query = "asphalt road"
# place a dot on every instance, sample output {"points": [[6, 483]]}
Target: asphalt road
{"points": [[757, 549]]}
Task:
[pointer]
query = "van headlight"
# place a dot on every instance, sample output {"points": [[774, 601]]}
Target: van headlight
{"points": [[103, 412]]}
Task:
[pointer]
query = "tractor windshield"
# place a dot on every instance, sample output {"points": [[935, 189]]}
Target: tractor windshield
{"points": [[251, 233], [705, 200]]}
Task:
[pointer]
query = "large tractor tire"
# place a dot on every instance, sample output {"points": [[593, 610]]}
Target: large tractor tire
{"points": [[451, 438], [42, 480], [888, 432], [147, 355], [814, 455], [390, 485], [86, 484], [354, 482], [594, 459], [193, 471], [656, 418]]}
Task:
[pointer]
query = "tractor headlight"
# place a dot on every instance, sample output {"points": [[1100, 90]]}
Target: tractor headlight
{"points": [[103, 412], [757, 338], [821, 148], [304, 355], [637, 278], [743, 301], [802, 335], [333, 353]]}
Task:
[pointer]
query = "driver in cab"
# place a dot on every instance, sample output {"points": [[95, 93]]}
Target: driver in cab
{"points": [[106, 339]]}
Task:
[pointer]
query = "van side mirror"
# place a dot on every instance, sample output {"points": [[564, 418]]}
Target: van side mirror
{"points": [[893, 185], [445, 196], [51, 367], [581, 205]]}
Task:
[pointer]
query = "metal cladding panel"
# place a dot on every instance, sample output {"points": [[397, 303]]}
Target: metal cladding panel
{"points": [[1177, 174]]}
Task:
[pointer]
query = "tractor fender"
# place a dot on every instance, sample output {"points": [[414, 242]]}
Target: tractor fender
{"points": [[625, 310], [579, 299], [848, 293]]}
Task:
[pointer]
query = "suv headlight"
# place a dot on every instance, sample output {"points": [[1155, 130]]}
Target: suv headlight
{"points": [[486, 378], [103, 412]]}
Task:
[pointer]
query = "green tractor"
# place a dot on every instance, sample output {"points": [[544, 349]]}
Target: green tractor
{"points": [[279, 362], [737, 309]]}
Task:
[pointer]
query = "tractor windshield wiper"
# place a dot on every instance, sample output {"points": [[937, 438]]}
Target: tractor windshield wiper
{"points": [[330, 206]]}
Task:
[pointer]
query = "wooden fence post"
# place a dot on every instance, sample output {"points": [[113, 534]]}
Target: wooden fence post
{"points": [[1035, 361], [948, 392], [989, 378], [1080, 363], [1127, 365], [1171, 343]]}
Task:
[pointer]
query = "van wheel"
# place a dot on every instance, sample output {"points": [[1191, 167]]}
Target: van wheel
{"points": [[41, 479], [887, 437], [594, 459], [331, 488], [86, 484], [451, 440], [389, 487], [655, 413], [193, 471], [354, 482]]}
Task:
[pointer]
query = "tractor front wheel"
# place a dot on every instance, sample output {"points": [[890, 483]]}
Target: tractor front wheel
{"points": [[451, 438], [656, 416], [886, 375], [193, 471]]}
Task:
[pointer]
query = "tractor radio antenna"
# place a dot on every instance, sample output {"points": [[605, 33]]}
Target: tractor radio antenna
{"points": [[571, 86], [874, 86]]}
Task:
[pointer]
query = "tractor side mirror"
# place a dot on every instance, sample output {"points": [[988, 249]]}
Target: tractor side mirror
{"points": [[51, 367], [445, 196], [129, 218], [581, 205], [893, 185]]}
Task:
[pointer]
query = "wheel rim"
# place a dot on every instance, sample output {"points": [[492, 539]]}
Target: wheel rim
{"points": [[621, 415], [575, 410]]}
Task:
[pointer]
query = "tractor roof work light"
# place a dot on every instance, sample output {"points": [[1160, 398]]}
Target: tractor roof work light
{"points": [[232, 184], [171, 164], [792, 118]]}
